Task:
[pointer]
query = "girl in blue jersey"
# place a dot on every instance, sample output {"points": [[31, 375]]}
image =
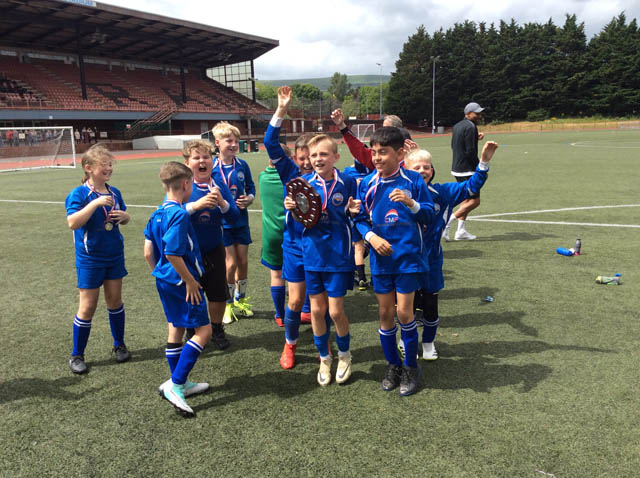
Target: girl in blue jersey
{"points": [[95, 212], [446, 196]]}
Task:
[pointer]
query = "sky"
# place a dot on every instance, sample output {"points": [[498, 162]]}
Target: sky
{"points": [[318, 38]]}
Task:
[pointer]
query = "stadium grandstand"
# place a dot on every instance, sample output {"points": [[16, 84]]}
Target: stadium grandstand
{"points": [[117, 74]]}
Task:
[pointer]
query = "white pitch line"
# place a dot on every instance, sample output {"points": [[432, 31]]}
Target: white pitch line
{"points": [[559, 223], [60, 203], [583, 208]]}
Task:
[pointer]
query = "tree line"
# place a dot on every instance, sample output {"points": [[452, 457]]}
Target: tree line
{"points": [[519, 72]]}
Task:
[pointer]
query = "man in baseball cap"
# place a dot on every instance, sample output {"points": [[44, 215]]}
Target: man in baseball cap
{"points": [[464, 144]]}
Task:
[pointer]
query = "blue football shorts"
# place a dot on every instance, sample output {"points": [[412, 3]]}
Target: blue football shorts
{"points": [[92, 277], [178, 311], [402, 283], [335, 284]]}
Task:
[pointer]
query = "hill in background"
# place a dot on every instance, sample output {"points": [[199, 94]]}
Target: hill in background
{"points": [[323, 83]]}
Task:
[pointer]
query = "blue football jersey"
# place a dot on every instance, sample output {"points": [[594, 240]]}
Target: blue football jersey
{"points": [[395, 222], [327, 245], [237, 177], [170, 231], [208, 223], [95, 245], [287, 170]]}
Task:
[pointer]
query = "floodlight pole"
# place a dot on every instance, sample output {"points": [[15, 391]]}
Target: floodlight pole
{"points": [[433, 95], [380, 65]]}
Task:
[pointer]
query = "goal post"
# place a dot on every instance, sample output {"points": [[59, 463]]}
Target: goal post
{"points": [[37, 147], [363, 131]]}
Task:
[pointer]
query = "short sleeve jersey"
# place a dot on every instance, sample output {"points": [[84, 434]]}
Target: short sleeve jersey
{"points": [[237, 177], [94, 244], [170, 231]]}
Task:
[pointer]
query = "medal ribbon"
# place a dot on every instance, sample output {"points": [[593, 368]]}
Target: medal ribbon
{"points": [[210, 185], [372, 191], [325, 200], [93, 190], [233, 168]]}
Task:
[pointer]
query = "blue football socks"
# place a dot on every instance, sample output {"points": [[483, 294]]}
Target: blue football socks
{"points": [[81, 331], [429, 330], [322, 344], [172, 352], [409, 334], [343, 342], [389, 346], [291, 325], [116, 322], [278, 294], [188, 357]]}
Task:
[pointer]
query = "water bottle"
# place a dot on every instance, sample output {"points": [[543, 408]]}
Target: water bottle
{"points": [[564, 251], [609, 280], [576, 248]]}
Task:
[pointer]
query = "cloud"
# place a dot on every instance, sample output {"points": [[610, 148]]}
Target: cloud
{"points": [[351, 36]]}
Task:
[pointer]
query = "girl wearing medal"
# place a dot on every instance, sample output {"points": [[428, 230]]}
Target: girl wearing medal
{"points": [[95, 210]]}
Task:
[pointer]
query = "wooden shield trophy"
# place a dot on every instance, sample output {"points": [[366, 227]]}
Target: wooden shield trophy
{"points": [[308, 204]]}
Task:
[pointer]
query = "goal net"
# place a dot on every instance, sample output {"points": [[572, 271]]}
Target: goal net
{"points": [[363, 131], [37, 147]]}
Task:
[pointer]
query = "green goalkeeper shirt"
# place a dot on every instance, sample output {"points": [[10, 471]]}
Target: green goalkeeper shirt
{"points": [[272, 197]]}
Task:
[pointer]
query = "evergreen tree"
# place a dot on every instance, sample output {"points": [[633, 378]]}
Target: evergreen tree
{"points": [[339, 86]]}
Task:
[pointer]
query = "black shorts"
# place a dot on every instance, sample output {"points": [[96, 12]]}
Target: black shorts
{"points": [[214, 279], [462, 179]]}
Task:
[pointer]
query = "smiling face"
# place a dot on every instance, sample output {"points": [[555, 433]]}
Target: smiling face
{"points": [[422, 166], [99, 171], [201, 164], [302, 160], [228, 147], [386, 159], [323, 156]]}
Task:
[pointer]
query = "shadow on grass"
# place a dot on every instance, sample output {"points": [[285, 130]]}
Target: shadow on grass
{"points": [[462, 253], [513, 319], [502, 348], [516, 236], [18, 389]]}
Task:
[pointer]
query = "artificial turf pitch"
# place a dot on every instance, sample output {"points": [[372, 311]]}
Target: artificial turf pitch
{"points": [[541, 381]]}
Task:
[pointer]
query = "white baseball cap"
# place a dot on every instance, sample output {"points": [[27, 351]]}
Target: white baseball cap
{"points": [[473, 108]]}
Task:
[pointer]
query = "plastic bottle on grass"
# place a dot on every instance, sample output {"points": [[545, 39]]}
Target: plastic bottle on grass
{"points": [[564, 251], [576, 248], [615, 280]]}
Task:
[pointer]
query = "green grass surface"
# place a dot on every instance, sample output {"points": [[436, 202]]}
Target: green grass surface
{"points": [[544, 379]]}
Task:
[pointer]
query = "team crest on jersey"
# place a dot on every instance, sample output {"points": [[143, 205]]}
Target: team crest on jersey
{"points": [[391, 217], [407, 192], [240, 176], [204, 217], [436, 207], [337, 199], [234, 191]]}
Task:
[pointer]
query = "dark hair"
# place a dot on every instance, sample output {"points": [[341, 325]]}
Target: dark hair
{"points": [[387, 136]]}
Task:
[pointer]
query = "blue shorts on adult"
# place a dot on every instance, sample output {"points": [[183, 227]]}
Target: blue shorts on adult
{"points": [[270, 266], [92, 277], [292, 267], [179, 312], [402, 283], [236, 235], [432, 281], [335, 283]]}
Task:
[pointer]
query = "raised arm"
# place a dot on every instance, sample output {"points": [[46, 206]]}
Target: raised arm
{"points": [[271, 137], [358, 150]]}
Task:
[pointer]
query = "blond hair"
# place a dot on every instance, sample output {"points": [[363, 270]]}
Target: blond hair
{"points": [[320, 138], [201, 145], [418, 154], [173, 174], [98, 153], [224, 130]]}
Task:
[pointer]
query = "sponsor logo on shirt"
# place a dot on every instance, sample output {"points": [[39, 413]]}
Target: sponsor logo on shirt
{"points": [[204, 217], [391, 216], [234, 191], [337, 199]]}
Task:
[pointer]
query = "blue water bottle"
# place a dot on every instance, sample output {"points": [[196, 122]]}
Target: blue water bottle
{"points": [[563, 251]]}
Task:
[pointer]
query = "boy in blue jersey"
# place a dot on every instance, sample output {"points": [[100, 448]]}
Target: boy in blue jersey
{"points": [[210, 203], [327, 255], [446, 196], [171, 251], [292, 263], [234, 173], [394, 204], [95, 210]]}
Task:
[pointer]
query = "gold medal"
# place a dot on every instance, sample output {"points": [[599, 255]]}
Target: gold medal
{"points": [[108, 226]]}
